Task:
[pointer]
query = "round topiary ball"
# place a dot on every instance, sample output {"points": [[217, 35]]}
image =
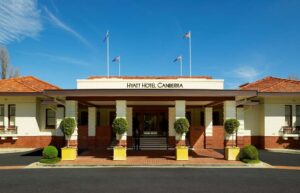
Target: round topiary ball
{"points": [[231, 126], [120, 125], [68, 126], [249, 152], [50, 152], [181, 125]]}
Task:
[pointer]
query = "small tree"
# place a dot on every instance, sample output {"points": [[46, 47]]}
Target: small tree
{"points": [[231, 126], [68, 126], [181, 125], [120, 125], [4, 62]]}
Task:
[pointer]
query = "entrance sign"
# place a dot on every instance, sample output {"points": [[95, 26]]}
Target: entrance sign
{"points": [[150, 83], [153, 85]]}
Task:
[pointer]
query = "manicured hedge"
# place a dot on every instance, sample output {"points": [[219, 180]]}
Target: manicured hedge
{"points": [[120, 125], [249, 154], [181, 125], [50, 152]]}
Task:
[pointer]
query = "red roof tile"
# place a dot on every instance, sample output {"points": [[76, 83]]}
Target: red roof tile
{"points": [[273, 84], [149, 77], [25, 84]]}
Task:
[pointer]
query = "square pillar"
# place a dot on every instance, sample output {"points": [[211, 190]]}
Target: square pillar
{"points": [[171, 120], [179, 109], [208, 121], [121, 108], [229, 113], [5, 117], [121, 112], [92, 111], [60, 113], [72, 111]]}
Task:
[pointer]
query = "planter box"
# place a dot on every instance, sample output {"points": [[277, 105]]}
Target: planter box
{"points": [[68, 153], [182, 153], [232, 153], [119, 153]]}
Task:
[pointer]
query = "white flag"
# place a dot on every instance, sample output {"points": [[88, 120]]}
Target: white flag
{"points": [[178, 58], [106, 36], [187, 35], [117, 59]]}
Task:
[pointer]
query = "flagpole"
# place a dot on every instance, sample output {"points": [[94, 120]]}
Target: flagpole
{"points": [[120, 66], [107, 55], [190, 52]]}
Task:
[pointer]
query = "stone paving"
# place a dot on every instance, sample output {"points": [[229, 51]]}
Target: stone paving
{"points": [[152, 158]]}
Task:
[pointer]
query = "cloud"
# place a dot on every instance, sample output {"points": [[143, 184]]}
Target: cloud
{"points": [[19, 19], [247, 72], [57, 22]]}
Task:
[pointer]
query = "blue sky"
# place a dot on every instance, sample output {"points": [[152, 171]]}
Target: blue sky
{"points": [[239, 41]]}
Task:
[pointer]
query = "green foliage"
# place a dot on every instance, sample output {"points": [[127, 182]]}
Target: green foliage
{"points": [[120, 125], [249, 152], [231, 126], [68, 126], [50, 161], [181, 125], [50, 152]]}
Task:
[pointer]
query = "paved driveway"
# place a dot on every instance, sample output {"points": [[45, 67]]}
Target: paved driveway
{"points": [[20, 158], [280, 159]]}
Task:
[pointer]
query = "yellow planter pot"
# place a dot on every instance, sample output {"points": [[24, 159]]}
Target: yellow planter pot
{"points": [[68, 153], [182, 153], [232, 153], [119, 153]]}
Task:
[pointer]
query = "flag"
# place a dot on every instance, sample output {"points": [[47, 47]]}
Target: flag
{"points": [[187, 35], [178, 58], [106, 36], [117, 59]]}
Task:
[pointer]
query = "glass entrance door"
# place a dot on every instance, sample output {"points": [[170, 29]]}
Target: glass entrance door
{"points": [[150, 124]]}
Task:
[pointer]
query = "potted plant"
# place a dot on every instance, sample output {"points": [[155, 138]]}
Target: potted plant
{"points": [[68, 126], [120, 127], [231, 127], [181, 127]]}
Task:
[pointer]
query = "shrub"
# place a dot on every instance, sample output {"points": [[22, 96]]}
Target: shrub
{"points": [[68, 126], [181, 125], [249, 152], [231, 126], [120, 125], [50, 152], [49, 161]]}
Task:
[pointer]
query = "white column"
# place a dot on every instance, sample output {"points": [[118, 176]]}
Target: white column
{"points": [[171, 121], [121, 108], [60, 112], [5, 116], [229, 110], [240, 118], [179, 109], [229, 113], [129, 119], [208, 121], [71, 111], [92, 112], [121, 111]]}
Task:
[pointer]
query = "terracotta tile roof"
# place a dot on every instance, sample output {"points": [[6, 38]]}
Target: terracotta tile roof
{"points": [[273, 84], [25, 84], [149, 77]]}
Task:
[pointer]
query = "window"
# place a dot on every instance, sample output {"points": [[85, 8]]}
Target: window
{"points": [[84, 118], [1, 116], [288, 115], [50, 119], [11, 115], [297, 115], [216, 118]]}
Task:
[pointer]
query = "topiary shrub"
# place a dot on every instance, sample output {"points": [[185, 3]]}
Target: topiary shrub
{"points": [[120, 125], [249, 152], [50, 152], [182, 125], [231, 126], [68, 126]]}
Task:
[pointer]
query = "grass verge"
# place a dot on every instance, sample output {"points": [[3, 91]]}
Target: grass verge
{"points": [[49, 161], [250, 161]]}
